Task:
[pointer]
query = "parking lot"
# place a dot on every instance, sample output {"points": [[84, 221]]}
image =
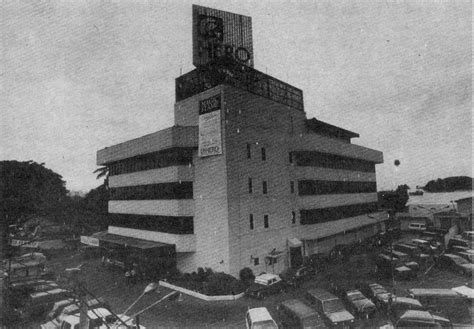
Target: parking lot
{"points": [[191, 312]]}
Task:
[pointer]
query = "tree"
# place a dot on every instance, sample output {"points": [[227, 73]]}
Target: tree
{"points": [[103, 172], [29, 187], [97, 199], [394, 200]]}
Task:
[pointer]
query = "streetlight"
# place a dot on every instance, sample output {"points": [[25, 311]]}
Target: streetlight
{"points": [[171, 294], [148, 289]]}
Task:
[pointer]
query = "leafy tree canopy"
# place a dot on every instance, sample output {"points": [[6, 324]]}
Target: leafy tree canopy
{"points": [[28, 187], [394, 200], [449, 184]]}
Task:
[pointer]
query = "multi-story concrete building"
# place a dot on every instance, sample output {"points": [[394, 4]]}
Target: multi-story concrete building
{"points": [[272, 187]]}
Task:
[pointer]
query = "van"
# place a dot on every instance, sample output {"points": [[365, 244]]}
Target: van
{"points": [[444, 301], [259, 317], [331, 307], [418, 227], [295, 314], [40, 302]]}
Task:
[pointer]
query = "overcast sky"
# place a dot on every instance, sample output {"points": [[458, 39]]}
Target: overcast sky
{"points": [[78, 76]]}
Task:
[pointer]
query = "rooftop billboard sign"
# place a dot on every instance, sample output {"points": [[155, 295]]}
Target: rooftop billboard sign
{"points": [[218, 34]]}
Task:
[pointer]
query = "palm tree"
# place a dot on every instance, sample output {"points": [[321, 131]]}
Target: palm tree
{"points": [[103, 172]]}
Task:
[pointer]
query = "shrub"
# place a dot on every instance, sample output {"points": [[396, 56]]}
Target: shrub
{"points": [[246, 276], [223, 284]]}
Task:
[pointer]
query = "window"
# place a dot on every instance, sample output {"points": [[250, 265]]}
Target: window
{"points": [[255, 261], [265, 221], [264, 187], [293, 217], [249, 151], [290, 156], [292, 187], [264, 155], [251, 221], [250, 185]]}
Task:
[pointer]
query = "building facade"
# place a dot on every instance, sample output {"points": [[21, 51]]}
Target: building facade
{"points": [[243, 178]]}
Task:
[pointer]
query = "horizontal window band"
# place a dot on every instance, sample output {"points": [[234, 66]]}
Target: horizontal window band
{"points": [[162, 191], [164, 224], [333, 161], [323, 215], [318, 187], [178, 156]]}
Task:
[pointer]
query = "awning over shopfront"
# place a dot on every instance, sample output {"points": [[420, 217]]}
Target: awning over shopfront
{"points": [[128, 241], [294, 243]]}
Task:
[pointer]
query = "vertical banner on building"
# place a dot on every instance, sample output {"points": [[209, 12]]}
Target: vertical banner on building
{"points": [[210, 139]]}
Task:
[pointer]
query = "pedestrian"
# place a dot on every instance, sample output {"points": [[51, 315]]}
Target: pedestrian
{"points": [[133, 275], [127, 277]]}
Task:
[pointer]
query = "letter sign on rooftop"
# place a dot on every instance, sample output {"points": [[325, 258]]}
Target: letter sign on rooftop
{"points": [[218, 34]]}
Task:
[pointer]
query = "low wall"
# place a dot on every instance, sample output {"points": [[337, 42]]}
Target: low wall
{"points": [[199, 295]]}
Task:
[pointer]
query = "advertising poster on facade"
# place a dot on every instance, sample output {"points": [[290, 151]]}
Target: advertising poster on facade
{"points": [[210, 139]]}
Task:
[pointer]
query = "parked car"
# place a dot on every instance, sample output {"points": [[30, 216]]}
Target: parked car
{"points": [[266, 284], [376, 292], [421, 319], [455, 263], [360, 305], [259, 318], [465, 290], [468, 235], [459, 242], [294, 277], [395, 307], [424, 245], [331, 307], [387, 265], [440, 301], [294, 313], [469, 256], [417, 227], [99, 318]]}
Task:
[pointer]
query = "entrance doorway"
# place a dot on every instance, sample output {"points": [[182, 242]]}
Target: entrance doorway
{"points": [[296, 257]]}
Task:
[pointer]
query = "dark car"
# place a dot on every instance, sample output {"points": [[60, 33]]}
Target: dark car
{"points": [[459, 242], [388, 266], [295, 314], [295, 276], [331, 307], [265, 285], [360, 305], [455, 263]]}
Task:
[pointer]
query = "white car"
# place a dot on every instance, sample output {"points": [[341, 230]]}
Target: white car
{"points": [[99, 318], [259, 318], [465, 290]]}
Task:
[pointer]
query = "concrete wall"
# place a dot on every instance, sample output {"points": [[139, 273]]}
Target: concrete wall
{"points": [[211, 210], [161, 140], [153, 176], [279, 129], [152, 207]]}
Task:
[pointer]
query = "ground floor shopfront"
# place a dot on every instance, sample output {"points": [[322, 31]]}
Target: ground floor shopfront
{"points": [[150, 259]]}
